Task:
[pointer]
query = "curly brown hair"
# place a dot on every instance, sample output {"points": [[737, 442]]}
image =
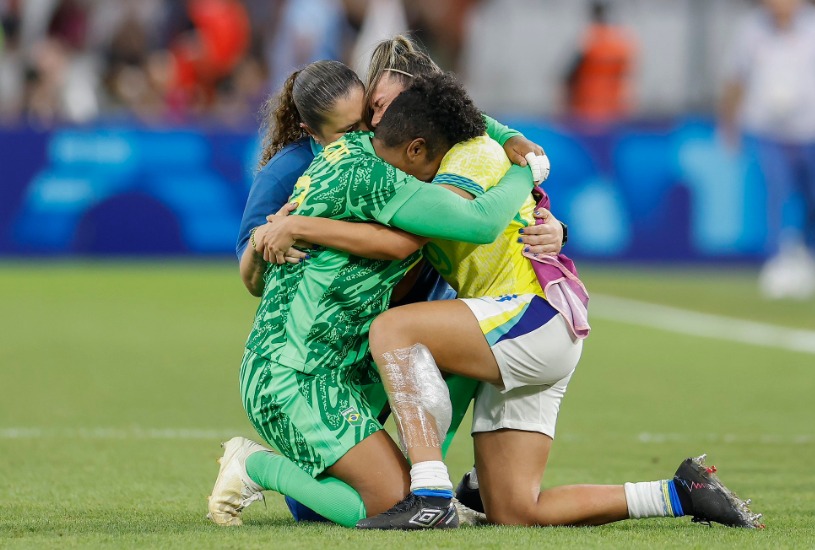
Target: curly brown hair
{"points": [[306, 97]]}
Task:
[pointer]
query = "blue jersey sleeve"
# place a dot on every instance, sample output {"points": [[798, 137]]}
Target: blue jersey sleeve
{"points": [[272, 186]]}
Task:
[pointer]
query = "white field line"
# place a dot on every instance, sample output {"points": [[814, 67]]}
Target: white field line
{"points": [[704, 325], [605, 307], [100, 433]]}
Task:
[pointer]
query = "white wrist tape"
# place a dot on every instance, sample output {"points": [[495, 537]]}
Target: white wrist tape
{"points": [[540, 166]]}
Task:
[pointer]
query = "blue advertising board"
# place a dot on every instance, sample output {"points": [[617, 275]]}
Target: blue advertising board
{"points": [[666, 191]]}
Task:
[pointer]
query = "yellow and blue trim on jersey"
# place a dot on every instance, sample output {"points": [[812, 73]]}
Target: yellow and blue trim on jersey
{"points": [[459, 181]]}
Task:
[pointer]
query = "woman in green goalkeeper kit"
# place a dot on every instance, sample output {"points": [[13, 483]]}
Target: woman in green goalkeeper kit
{"points": [[392, 60], [394, 64], [306, 361]]}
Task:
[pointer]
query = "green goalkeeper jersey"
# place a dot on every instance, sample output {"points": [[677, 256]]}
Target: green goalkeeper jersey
{"points": [[314, 316]]}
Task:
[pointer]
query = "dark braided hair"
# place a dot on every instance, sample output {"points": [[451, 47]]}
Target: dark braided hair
{"points": [[307, 96], [400, 58], [434, 107]]}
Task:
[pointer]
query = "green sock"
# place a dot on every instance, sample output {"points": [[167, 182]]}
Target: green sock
{"points": [[462, 391], [333, 499]]}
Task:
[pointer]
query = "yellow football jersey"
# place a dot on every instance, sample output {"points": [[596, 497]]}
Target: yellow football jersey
{"points": [[492, 269]]}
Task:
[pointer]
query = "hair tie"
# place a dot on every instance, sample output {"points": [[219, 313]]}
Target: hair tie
{"points": [[400, 72]]}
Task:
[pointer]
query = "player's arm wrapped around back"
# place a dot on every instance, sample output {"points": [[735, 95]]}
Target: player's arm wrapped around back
{"points": [[438, 213]]}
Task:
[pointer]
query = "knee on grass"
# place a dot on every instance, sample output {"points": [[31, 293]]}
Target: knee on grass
{"points": [[520, 514]]}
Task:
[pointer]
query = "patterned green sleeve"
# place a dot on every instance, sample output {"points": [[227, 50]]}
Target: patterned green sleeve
{"points": [[378, 188], [499, 132]]}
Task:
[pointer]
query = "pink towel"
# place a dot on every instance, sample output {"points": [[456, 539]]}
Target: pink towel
{"points": [[558, 278]]}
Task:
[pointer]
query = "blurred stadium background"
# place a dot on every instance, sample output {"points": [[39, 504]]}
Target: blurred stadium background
{"points": [[129, 140], [114, 112]]}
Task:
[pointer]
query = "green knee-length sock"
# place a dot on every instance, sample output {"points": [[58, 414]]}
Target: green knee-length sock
{"points": [[330, 497], [333, 499]]}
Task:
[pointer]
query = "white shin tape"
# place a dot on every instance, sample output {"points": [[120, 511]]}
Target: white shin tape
{"points": [[419, 398]]}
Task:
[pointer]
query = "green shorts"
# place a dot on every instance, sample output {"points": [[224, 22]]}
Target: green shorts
{"points": [[313, 419]]}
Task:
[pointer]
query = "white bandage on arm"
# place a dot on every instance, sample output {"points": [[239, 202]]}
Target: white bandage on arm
{"points": [[419, 398]]}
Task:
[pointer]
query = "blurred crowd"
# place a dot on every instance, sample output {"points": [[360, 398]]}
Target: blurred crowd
{"points": [[173, 60]]}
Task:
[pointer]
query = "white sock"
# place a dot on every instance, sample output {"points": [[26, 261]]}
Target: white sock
{"points": [[432, 475], [647, 499], [472, 483]]}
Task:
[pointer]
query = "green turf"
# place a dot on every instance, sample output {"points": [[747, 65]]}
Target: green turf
{"points": [[119, 380]]}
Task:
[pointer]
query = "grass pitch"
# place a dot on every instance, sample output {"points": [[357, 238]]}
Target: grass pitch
{"points": [[117, 382]]}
